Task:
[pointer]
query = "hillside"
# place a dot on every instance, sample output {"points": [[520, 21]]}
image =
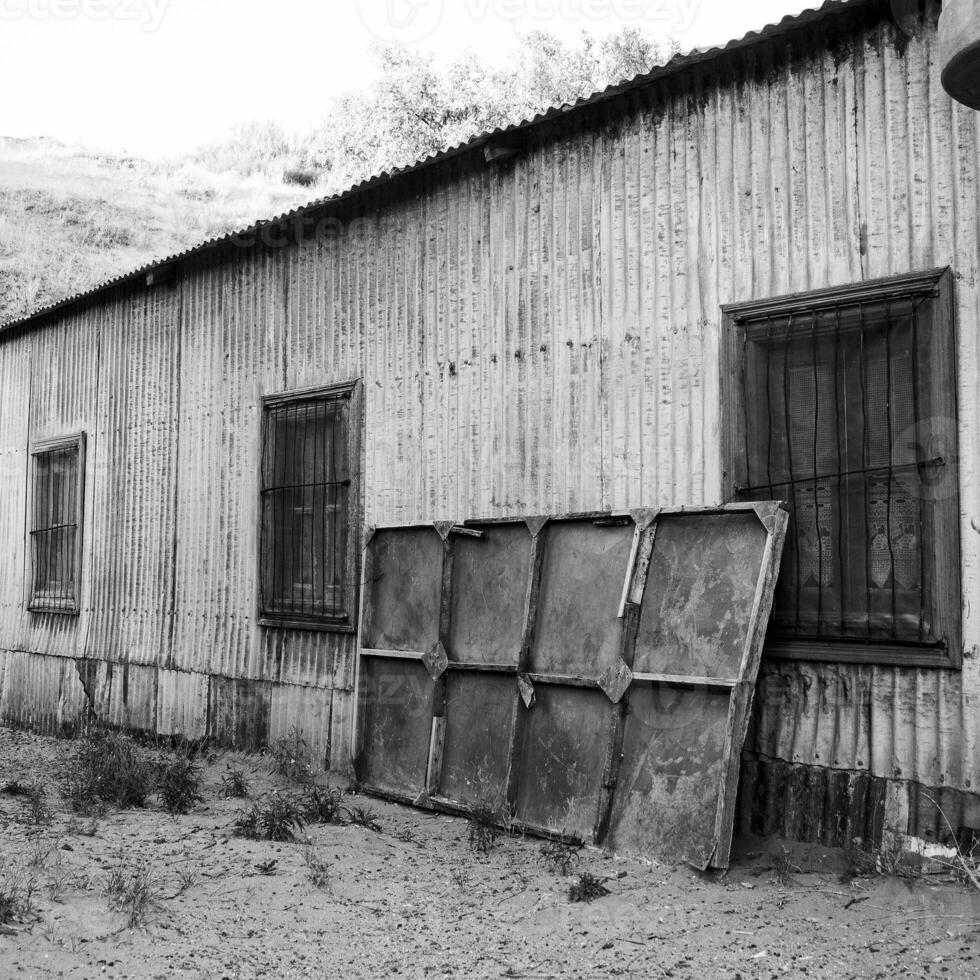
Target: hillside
{"points": [[70, 219]]}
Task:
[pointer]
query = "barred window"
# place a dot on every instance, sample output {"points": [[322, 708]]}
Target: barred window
{"points": [[56, 524], [309, 501], [843, 403]]}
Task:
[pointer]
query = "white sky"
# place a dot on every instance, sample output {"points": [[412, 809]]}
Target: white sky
{"points": [[160, 76]]}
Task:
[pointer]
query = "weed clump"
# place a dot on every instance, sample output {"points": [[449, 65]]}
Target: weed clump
{"points": [[323, 805], [292, 758], [134, 891], [558, 857], [179, 785], [16, 896], [483, 832], [234, 784], [587, 888], [362, 816], [318, 870], [109, 768], [279, 818]]}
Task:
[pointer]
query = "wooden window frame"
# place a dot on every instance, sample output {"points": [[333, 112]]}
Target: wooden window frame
{"points": [[351, 390], [43, 603], [944, 585]]}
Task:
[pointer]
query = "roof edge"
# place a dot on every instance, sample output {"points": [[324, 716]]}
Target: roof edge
{"points": [[157, 271]]}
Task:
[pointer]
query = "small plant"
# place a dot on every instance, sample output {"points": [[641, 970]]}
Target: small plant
{"points": [[36, 809], [323, 805], [558, 857], [16, 896], [234, 784], [362, 816], [279, 818], [587, 888], [134, 891], [75, 828], [317, 869], [187, 879], [109, 768], [15, 788], [291, 758], [179, 785], [483, 829], [39, 854], [783, 868], [267, 867]]}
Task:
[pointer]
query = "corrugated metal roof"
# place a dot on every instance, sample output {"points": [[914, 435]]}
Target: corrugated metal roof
{"points": [[681, 62]]}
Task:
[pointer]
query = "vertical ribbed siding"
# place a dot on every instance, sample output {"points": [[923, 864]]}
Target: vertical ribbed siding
{"points": [[538, 336]]}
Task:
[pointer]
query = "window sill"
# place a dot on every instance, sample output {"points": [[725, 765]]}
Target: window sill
{"points": [[41, 609], [877, 654], [312, 625]]}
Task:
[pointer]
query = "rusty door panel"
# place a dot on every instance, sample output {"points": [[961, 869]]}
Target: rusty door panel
{"points": [[476, 750], [671, 772], [696, 613], [397, 722], [488, 594], [578, 628], [587, 676], [560, 756], [401, 610]]}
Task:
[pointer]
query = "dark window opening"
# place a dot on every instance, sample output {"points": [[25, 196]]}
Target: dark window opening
{"points": [[844, 405], [309, 496], [56, 525]]}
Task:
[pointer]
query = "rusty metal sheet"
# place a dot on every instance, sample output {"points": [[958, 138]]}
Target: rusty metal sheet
{"points": [[479, 710], [704, 600], [601, 675], [674, 758], [397, 711], [560, 755], [578, 627], [489, 589], [700, 587], [401, 609]]}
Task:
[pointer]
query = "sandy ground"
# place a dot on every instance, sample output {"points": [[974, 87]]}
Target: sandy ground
{"points": [[414, 901]]}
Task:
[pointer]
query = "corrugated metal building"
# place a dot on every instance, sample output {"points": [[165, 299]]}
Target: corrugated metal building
{"points": [[538, 322]]}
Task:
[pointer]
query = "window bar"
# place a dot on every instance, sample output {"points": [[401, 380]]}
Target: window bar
{"points": [[769, 421], [73, 476], [278, 511], [745, 402], [841, 495], [308, 604], [864, 462], [789, 459], [263, 506], [888, 418], [816, 485], [918, 484], [48, 521], [328, 491], [335, 494], [317, 594]]}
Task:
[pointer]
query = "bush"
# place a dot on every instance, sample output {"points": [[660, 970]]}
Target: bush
{"points": [[587, 888], [323, 805], [484, 831], [234, 783], [109, 768], [179, 785], [279, 818]]}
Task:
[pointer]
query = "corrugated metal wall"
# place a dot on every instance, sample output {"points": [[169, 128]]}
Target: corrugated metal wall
{"points": [[538, 336]]}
